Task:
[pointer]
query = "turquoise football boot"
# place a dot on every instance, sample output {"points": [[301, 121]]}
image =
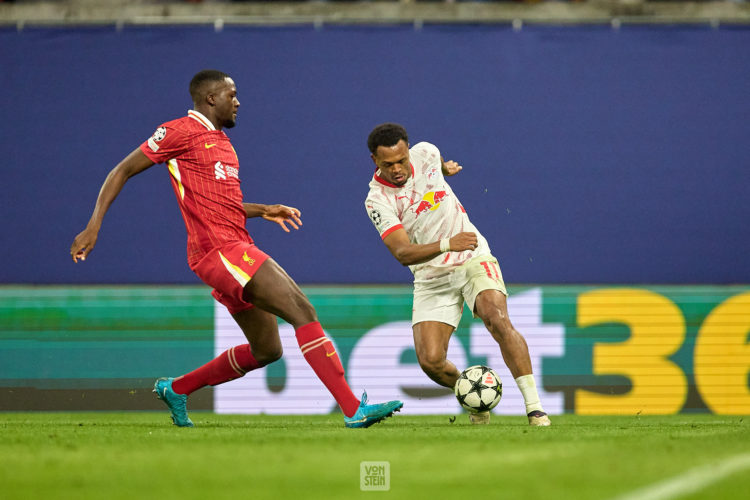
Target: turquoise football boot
{"points": [[175, 402], [371, 414]]}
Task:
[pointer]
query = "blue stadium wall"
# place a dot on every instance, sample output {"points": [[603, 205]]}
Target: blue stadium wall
{"points": [[590, 155]]}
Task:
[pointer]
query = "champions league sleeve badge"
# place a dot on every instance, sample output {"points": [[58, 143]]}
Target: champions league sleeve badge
{"points": [[375, 216], [160, 134]]}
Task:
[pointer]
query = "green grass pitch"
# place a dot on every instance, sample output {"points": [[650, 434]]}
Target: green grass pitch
{"points": [[142, 456]]}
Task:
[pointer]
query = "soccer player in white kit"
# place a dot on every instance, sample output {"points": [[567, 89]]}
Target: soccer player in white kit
{"points": [[425, 227]]}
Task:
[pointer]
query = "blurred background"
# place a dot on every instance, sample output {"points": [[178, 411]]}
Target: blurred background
{"points": [[605, 155]]}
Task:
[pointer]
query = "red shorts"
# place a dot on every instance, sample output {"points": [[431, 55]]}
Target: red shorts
{"points": [[227, 270]]}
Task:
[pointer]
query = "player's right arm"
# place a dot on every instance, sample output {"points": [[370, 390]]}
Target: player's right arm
{"points": [[395, 237], [408, 253], [135, 163]]}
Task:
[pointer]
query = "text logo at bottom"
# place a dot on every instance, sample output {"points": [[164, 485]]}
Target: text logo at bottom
{"points": [[374, 476]]}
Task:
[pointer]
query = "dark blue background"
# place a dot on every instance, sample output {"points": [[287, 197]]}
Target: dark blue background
{"points": [[590, 155]]}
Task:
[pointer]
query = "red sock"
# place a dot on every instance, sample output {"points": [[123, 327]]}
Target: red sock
{"points": [[229, 365], [322, 357]]}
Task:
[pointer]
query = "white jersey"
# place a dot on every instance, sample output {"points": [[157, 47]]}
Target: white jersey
{"points": [[426, 208]]}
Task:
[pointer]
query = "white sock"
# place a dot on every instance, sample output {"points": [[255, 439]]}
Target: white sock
{"points": [[527, 385]]}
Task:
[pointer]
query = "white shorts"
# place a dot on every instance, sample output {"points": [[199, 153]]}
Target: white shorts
{"points": [[442, 299]]}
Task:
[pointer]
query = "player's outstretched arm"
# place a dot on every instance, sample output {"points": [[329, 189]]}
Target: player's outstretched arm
{"points": [[450, 167], [135, 163], [280, 214], [408, 253]]}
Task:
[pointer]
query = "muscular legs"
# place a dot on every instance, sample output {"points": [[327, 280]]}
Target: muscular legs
{"points": [[431, 341], [492, 307], [274, 291], [264, 347], [274, 294], [262, 333]]}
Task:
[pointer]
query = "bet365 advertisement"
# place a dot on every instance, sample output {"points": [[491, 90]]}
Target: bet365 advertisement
{"points": [[594, 350]]}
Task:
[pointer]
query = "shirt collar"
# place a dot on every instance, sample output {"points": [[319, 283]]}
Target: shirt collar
{"points": [[198, 116]]}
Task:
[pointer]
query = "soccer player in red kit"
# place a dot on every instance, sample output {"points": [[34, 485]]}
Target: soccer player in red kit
{"points": [[204, 171]]}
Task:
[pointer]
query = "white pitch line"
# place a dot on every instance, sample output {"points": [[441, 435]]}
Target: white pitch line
{"points": [[690, 481]]}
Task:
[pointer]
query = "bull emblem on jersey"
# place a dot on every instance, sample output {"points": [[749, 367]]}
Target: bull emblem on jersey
{"points": [[430, 201]]}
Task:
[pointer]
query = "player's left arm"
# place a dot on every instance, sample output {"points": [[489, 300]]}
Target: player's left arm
{"points": [[280, 214], [449, 167]]}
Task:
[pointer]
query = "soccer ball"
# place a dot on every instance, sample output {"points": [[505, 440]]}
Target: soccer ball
{"points": [[478, 388]]}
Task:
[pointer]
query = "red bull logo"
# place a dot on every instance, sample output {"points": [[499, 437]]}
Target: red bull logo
{"points": [[430, 201]]}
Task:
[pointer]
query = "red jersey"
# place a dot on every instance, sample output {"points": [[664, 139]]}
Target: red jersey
{"points": [[204, 171]]}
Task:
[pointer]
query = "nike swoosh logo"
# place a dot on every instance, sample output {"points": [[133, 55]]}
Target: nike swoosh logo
{"points": [[329, 354], [209, 146]]}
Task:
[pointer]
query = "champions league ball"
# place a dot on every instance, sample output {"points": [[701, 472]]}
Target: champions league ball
{"points": [[478, 388]]}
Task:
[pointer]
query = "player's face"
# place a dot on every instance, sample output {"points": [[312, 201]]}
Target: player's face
{"points": [[393, 162], [226, 103]]}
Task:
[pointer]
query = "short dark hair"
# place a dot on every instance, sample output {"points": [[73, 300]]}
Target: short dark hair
{"points": [[197, 84], [386, 134]]}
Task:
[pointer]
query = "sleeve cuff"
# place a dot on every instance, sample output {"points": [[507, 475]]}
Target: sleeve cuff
{"points": [[390, 230]]}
